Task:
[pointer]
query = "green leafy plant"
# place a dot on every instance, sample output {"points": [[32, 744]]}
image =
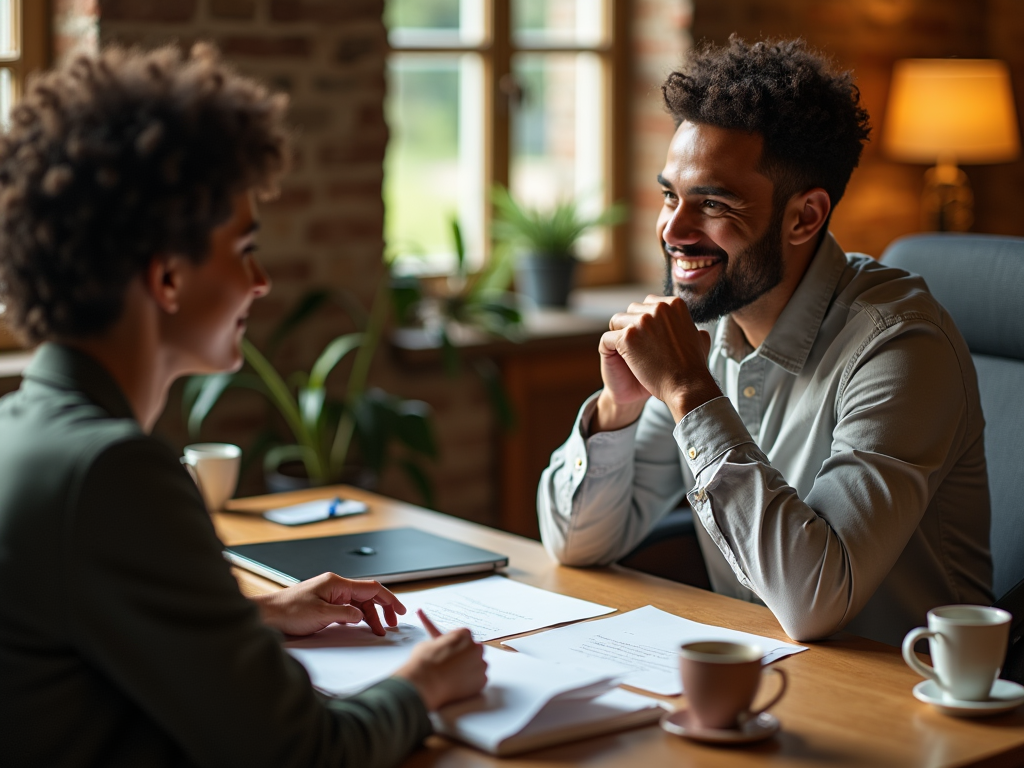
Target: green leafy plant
{"points": [[479, 300], [326, 434], [551, 233]]}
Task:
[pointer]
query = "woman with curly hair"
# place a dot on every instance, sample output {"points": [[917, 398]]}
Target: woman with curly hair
{"points": [[127, 240]]}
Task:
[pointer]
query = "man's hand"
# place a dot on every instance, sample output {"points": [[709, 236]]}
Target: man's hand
{"points": [[653, 349], [446, 668], [316, 603]]}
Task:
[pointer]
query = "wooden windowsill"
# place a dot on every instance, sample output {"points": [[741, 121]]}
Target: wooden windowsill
{"points": [[588, 314]]}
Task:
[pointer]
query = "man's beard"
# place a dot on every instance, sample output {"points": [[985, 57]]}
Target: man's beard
{"points": [[759, 268]]}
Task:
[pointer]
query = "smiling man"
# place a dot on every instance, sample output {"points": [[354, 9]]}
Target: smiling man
{"points": [[829, 435]]}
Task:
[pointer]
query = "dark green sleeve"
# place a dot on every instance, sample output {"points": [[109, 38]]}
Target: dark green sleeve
{"points": [[153, 605]]}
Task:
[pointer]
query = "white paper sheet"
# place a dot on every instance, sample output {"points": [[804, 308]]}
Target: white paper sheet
{"points": [[497, 607], [345, 659], [518, 687], [642, 645]]}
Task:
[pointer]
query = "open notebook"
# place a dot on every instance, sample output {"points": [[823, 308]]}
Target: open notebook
{"points": [[529, 703]]}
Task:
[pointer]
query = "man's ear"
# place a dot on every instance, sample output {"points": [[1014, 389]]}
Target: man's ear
{"points": [[163, 280], [807, 215]]}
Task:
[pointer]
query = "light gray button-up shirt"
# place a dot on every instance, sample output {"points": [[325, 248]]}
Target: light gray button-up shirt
{"points": [[841, 480]]}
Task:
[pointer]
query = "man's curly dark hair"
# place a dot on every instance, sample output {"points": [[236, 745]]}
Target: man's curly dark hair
{"points": [[808, 114], [115, 159]]}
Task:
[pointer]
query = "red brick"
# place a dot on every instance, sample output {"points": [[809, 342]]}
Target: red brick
{"points": [[295, 269], [294, 46], [338, 230], [357, 189], [325, 11], [356, 48], [235, 10], [161, 11], [345, 152], [291, 197]]}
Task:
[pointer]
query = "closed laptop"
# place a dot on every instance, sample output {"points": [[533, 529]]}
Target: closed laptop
{"points": [[388, 556]]}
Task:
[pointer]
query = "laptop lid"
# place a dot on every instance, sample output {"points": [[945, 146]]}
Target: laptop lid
{"points": [[388, 556]]}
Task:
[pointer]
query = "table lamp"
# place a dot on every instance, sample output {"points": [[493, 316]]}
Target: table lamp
{"points": [[949, 111]]}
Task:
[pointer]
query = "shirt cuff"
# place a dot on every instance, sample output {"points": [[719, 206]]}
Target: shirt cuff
{"points": [[709, 431]]}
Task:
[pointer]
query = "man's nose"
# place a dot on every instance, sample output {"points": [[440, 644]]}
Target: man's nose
{"points": [[260, 281], [682, 228]]}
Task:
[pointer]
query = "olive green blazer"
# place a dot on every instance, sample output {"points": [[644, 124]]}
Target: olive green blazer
{"points": [[124, 640]]}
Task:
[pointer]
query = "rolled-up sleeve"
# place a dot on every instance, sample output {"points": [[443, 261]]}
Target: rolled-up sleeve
{"points": [[600, 494], [816, 561]]}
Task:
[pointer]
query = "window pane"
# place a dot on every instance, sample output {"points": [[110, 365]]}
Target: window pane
{"points": [[6, 96], [558, 22], [433, 170], [558, 134], [8, 29], [430, 23]]}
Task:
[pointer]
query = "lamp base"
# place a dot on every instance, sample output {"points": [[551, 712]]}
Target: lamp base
{"points": [[947, 203]]}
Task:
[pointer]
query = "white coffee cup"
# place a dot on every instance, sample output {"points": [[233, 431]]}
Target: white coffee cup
{"points": [[967, 643], [214, 467]]}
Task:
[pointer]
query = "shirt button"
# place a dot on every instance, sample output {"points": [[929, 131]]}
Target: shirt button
{"points": [[700, 495], [692, 453], [749, 391], [579, 464]]}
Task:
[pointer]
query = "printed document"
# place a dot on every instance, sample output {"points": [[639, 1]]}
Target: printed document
{"points": [[345, 659], [641, 645], [497, 607]]}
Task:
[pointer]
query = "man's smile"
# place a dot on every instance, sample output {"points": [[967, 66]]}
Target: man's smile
{"points": [[689, 269]]}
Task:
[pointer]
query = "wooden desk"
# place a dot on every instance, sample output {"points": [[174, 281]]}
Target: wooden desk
{"points": [[849, 701]]}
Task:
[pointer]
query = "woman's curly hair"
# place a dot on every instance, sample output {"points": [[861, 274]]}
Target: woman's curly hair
{"points": [[808, 115], [114, 159]]}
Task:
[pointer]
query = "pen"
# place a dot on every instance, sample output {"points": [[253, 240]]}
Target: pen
{"points": [[332, 510], [431, 629]]}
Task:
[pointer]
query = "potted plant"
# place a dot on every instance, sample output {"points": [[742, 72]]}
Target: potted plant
{"points": [[322, 431], [546, 242]]}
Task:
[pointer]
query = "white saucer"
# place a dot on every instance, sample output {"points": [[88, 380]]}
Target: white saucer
{"points": [[679, 723], [1004, 696]]}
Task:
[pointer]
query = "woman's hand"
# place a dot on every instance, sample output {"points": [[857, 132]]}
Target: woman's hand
{"points": [[446, 668], [316, 603]]}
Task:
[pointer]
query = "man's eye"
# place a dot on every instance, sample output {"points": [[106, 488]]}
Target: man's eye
{"points": [[668, 195], [714, 207]]}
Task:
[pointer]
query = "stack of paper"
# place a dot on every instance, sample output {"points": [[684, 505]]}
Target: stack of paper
{"points": [[498, 607], [529, 703], [342, 660], [641, 645]]}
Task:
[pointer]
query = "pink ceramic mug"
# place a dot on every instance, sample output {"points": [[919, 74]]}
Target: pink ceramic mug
{"points": [[720, 680]]}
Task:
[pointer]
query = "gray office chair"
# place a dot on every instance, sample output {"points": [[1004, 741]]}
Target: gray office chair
{"points": [[979, 279]]}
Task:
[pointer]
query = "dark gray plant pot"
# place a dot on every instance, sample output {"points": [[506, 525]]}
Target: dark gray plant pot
{"points": [[291, 476], [546, 280]]}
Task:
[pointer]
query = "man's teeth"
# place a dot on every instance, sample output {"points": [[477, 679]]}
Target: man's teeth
{"points": [[689, 264]]}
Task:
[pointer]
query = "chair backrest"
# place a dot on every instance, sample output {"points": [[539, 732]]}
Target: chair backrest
{"points": [[979, 279]]}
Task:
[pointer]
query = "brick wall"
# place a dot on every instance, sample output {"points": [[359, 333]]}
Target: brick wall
{"points": [[883, 199], [326, 228]]}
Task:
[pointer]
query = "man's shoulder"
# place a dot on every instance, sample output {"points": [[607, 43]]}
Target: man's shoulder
{"points": [[889, 295]]}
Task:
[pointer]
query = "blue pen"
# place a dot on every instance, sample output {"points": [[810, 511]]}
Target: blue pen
{"points": [[332, 511]]}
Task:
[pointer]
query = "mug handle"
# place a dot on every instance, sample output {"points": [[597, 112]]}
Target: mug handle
{"points": [[775, 698], [924, 670]]}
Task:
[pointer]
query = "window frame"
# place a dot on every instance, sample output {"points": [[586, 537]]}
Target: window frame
{"points": [[496, 52]]}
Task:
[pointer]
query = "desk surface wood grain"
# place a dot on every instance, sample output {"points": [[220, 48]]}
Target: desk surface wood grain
{"points": [[849, 701]]}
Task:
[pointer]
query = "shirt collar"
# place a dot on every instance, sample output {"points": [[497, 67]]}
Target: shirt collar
{"points": [[790, 340], [68, 368]]}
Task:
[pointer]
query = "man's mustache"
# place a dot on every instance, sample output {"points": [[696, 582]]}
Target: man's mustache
{"points": [[694, 250]]}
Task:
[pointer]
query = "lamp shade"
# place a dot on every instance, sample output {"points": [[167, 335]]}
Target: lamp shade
{"points": [[959, 110]]}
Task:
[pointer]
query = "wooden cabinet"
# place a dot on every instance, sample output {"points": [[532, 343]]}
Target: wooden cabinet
{"points": [[546, 377]]}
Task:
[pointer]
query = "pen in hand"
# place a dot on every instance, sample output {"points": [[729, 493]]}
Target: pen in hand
{"points": [[428, 624]]}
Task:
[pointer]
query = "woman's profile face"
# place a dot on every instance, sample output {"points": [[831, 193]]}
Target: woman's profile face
{"points": [[208, 327]]}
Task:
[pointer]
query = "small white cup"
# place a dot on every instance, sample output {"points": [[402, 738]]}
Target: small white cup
{"points": [[214, 467], [967, 643]]}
